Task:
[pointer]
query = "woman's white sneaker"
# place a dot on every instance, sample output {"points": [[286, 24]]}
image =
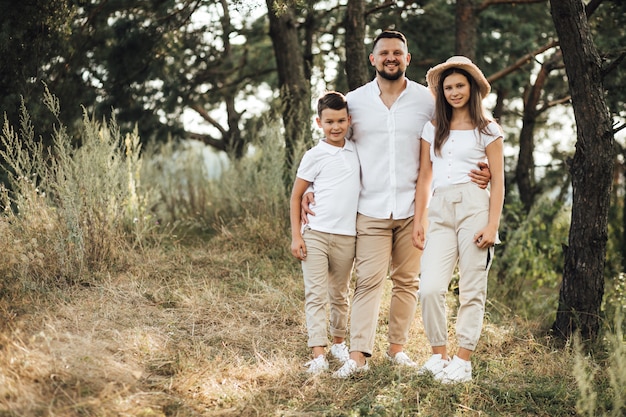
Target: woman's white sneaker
{"points": [[401, 358], [434, 365], [458, 370]]}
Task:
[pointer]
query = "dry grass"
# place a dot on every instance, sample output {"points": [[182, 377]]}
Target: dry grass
{"points": [[216, 329]]}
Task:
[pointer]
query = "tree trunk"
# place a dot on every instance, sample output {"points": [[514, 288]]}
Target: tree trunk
{"points": [[357, 65], [466, 21], [592, 171], [295, 90], [525, 170]]}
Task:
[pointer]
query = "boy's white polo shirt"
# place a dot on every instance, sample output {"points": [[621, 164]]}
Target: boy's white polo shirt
{"points": [[335, 176]]}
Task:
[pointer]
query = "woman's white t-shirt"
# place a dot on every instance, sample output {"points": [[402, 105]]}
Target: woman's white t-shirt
{"points": [[460, 154]]}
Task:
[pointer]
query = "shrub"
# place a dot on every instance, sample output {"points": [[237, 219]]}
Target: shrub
{"points": [[528, 267]]}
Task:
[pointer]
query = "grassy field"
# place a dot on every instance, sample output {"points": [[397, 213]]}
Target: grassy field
{"points": [[216, 328]]}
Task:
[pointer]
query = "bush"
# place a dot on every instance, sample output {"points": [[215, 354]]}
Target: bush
{"points": [[528, 267]]}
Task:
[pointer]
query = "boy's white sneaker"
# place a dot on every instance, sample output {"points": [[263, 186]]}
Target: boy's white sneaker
{"points": [[350, 368], [317, 365], [401, 358], [434, 365], [340, 352], [458, 370]]}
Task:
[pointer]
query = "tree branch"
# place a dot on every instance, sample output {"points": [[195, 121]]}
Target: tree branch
{"points": [[592, 6], [554, 103], [616, 62], [488, 3], [207, 117], [385, 5], [207, 139], [520, 62]]}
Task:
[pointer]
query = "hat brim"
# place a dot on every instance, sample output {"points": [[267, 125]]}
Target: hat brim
{"points": [[434, 74]]}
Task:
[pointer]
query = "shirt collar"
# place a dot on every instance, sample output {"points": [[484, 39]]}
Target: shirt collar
{"points": [[376, 87], [348, 146]]}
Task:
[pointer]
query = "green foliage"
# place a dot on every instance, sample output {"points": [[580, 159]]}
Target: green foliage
{"points": [[609, 25], [528, 267], [33, 39], [79, 209]]}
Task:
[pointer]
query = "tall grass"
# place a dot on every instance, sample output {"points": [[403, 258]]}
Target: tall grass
{"points": [[70, 210], [601, 380], [249, 194]]}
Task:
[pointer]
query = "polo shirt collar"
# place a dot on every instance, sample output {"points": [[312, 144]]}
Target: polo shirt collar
{"points": [[348, 146]]}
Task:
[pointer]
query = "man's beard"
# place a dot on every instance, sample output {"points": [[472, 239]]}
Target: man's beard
{"points": [[390, 77]]}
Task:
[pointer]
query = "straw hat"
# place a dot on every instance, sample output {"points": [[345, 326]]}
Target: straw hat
{"points": [[433, 74]]}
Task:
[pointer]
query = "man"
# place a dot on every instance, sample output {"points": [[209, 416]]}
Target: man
{"points": [[388, 115]]}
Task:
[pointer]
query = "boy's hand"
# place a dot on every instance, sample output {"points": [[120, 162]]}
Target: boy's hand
{"points": [[308, 199], [298, 248]]}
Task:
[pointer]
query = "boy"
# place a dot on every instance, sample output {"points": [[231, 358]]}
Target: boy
{"points": [[326, 245]]}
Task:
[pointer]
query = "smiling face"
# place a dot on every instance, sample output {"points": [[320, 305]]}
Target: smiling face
{"points": [[456, 90], [390, 58], [334, 124]]}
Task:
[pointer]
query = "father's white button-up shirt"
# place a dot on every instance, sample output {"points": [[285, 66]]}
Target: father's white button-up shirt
{"points": [[388, 144]]}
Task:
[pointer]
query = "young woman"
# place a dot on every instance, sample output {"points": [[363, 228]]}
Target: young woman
{"points": [[463, 219]]}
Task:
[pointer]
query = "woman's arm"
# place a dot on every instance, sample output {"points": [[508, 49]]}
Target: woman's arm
{"points": [[422, 194], [487, 236]]}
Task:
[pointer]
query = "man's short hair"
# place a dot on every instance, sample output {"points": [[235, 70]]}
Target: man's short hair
{"points": [[331, 100], [390, 34]]}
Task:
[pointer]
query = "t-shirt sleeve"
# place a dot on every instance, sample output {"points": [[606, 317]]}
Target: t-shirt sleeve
{"points": [[493, 132], [308, 169], [428, 132]]}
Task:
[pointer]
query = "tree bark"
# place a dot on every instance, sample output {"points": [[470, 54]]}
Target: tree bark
{"points": [[525, 170], [592, 172], [357, 65], [466, 20], [295, 90]]}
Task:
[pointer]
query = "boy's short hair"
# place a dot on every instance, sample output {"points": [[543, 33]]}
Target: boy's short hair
{"points": [[390, 34], [331, 100]]}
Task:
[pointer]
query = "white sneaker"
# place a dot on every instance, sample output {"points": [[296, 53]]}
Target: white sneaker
{"points": [[340, 352], [317, 365], [350, 368], [458, 370], [401, 358], [434, 365]]}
